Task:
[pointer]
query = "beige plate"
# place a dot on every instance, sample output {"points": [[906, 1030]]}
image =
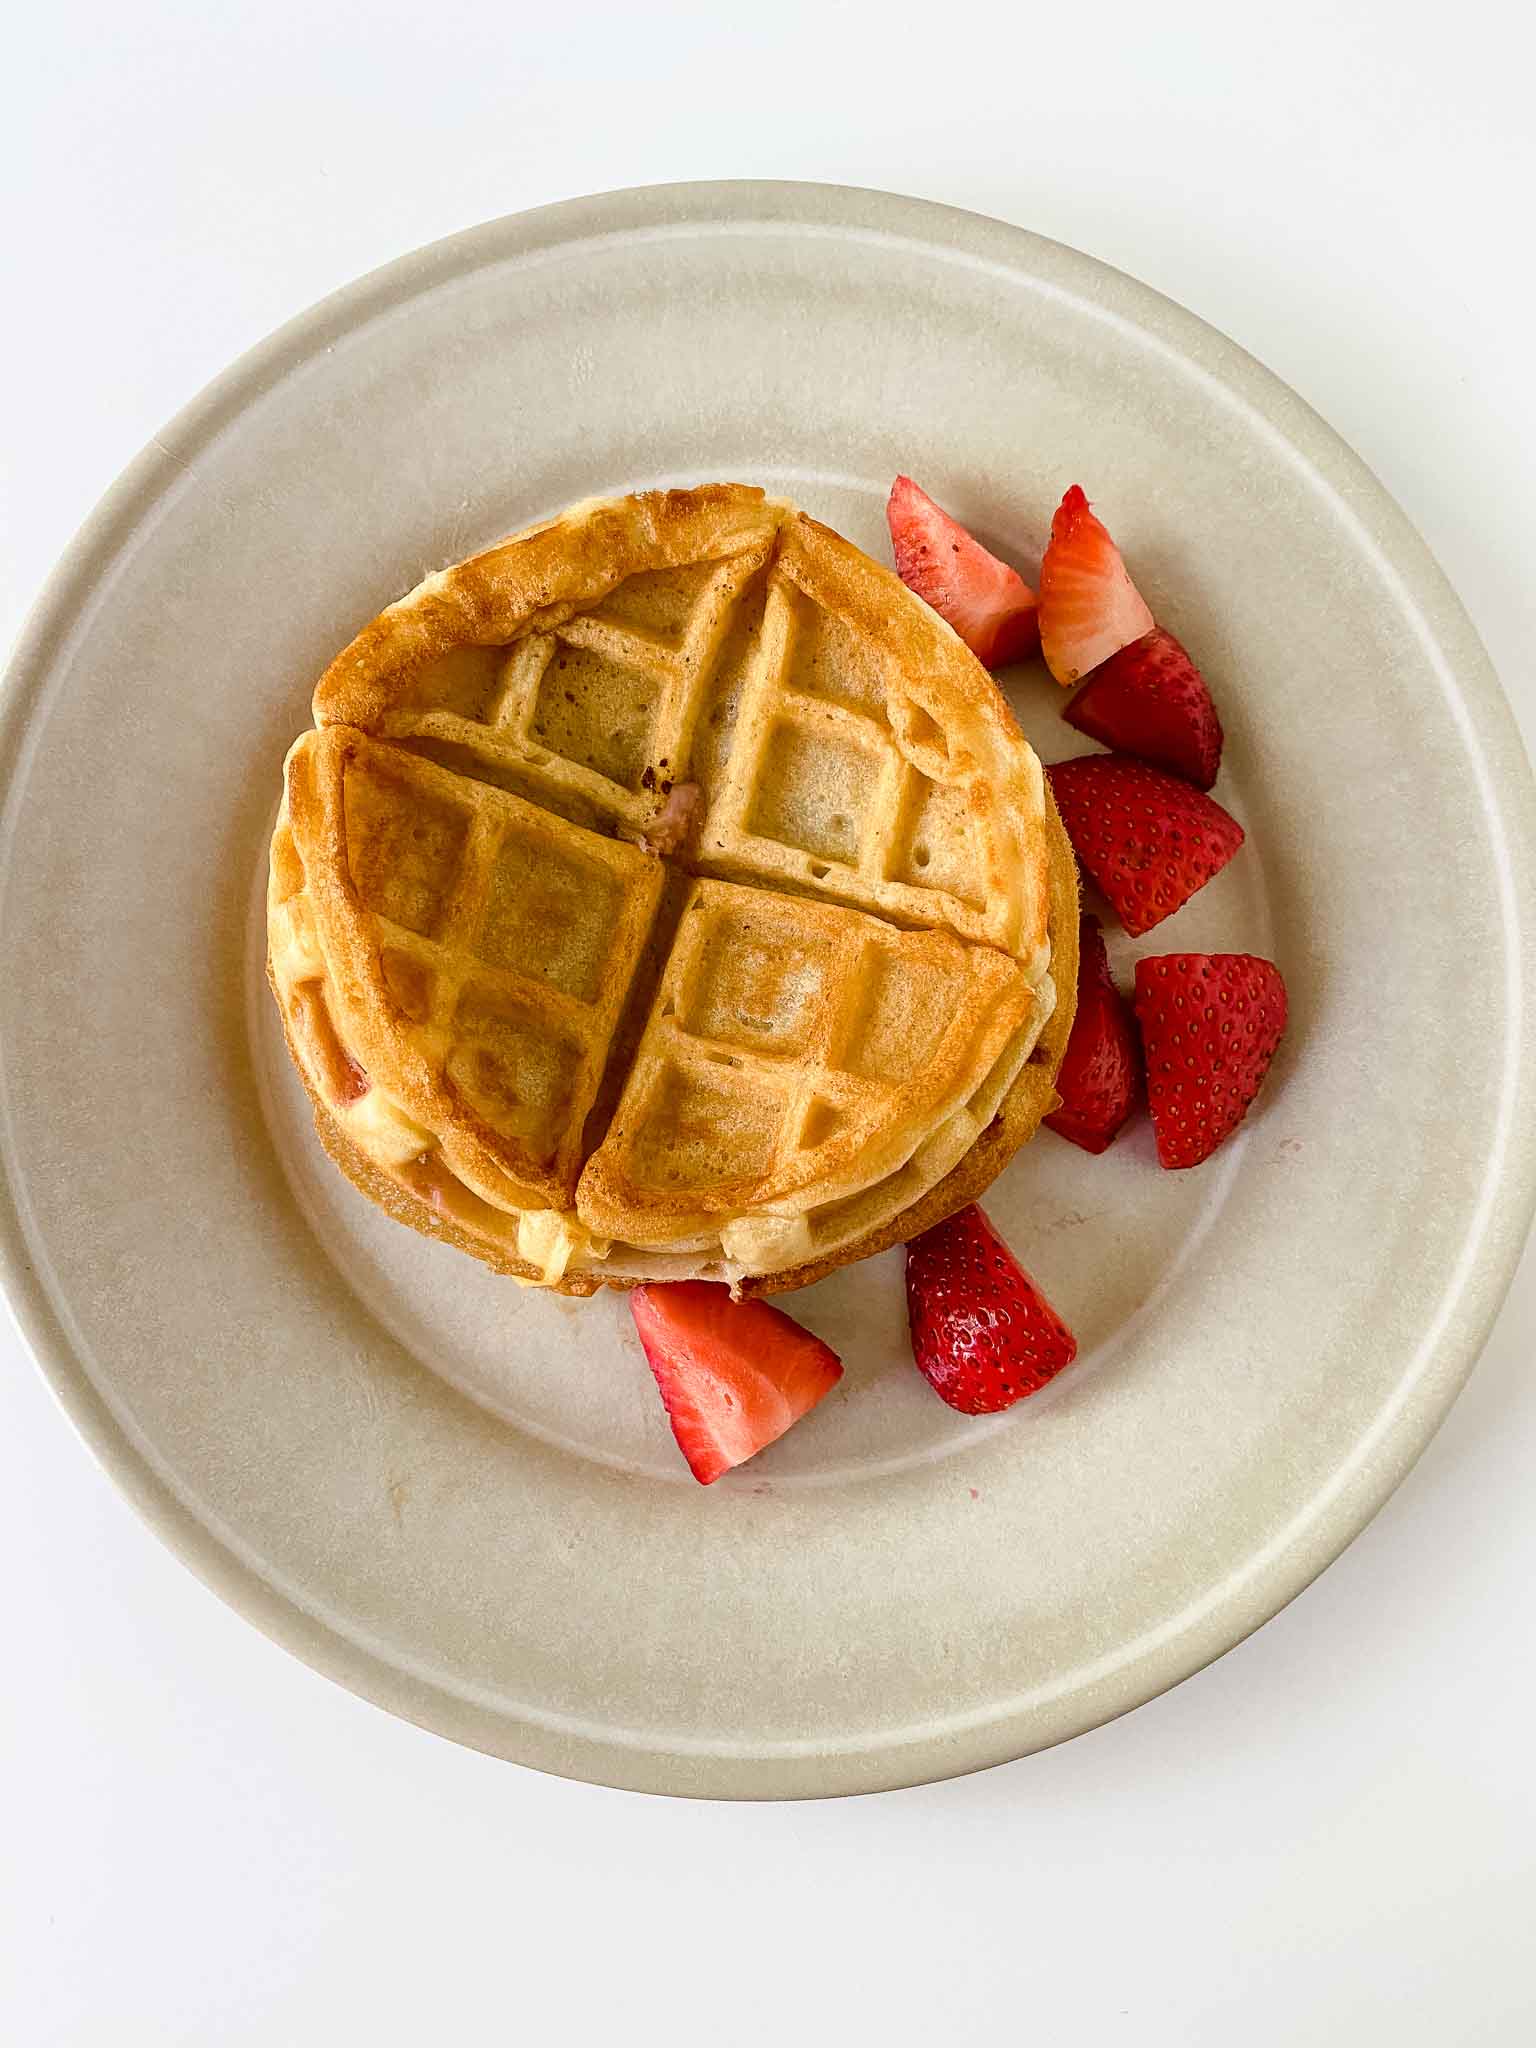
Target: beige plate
{"points": [[461, 1499]]}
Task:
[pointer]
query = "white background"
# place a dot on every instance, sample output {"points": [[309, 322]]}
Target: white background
{"points": [[1328, 1837]]}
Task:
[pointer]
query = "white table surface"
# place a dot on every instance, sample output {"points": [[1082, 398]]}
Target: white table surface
{"points": [[1328, 1836]]}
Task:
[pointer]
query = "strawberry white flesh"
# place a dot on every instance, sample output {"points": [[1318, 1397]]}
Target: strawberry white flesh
{"points": [[734, 1375], [989, 605], [1089, 607]]}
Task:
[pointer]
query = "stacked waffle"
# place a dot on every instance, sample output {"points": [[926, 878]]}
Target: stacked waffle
{"points": [[666, 893]]}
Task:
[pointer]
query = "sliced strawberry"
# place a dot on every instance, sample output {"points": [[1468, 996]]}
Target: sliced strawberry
{"points": [[1151, 701], [1089, 607], [1146, 838], [1210, 1023], [733, 1374], [989, 605], [983, 1334], [1098, 1077]]}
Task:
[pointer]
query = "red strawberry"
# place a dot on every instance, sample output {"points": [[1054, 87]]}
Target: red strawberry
{"points": [[1146, 838], [989, 605], [1210, 1023], [1097, 1081], [1089, 607], [1151, 701], [983, 1334], [733, 1374]]}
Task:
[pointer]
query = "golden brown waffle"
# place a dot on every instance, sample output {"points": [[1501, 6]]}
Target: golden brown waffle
{"points": [[520, 1036], [844, 740], [864, 762], [794, 1054], [477, 953], [423, 1195]]}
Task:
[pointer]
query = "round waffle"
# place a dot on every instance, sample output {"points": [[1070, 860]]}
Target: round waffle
{"points": [[668, 892]]}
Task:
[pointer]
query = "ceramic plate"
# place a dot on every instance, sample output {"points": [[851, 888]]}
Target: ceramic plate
{"points": [[460, 1498]]}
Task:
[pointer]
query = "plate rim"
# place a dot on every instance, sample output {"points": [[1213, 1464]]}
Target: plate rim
{"points": [[1495, 1239]]}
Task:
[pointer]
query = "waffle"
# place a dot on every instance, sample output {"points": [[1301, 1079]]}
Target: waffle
{"points": [[795, 1053], [474, 954], [528, 1032]]}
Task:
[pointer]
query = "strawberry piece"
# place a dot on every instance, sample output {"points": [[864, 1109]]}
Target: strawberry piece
{"points": [[1151, 701], [983, 1334], [1099, 1073], [1146, 838], [1089, 607], [989, 605], [1210, 1023], [734, 1374]]}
